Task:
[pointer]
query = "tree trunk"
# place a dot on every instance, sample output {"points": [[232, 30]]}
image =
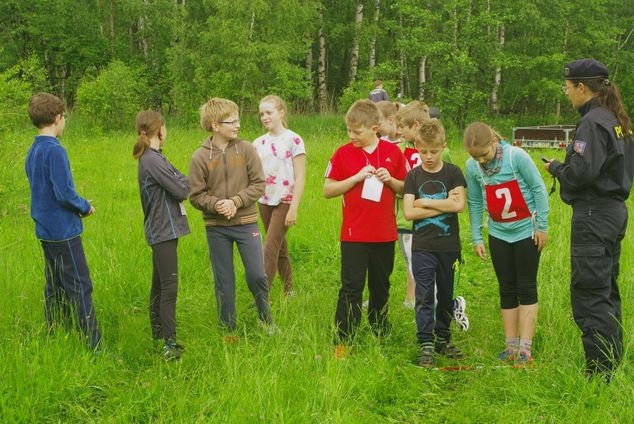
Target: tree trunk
{"points": [[403, 83], [421, 78], [322, 94], [100, 15], [377, 10], [112, 43], [498, 73], [143, 40], [354, 57], [309, 73]]}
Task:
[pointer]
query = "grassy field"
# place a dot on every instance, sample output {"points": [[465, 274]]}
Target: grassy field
{"points": [[291, 377]]}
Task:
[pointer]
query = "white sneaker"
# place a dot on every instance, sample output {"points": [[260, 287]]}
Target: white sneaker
{"points": [[459, 314], [409, 304], [270, 328]]}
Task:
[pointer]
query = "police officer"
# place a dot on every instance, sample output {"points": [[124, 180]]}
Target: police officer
{"points": [[595, 179]]}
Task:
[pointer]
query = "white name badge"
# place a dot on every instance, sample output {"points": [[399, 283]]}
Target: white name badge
{"points": [[372, 189]]}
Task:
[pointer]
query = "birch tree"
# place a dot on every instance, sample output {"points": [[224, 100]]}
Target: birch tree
{"points": [[354, 51]]}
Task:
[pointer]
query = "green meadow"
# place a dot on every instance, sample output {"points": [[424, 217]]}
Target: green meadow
{"points": [[291, 377]]}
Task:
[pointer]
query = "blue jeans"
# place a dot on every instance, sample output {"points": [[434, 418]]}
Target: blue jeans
{"points": [[431, 269], [220, 241]]}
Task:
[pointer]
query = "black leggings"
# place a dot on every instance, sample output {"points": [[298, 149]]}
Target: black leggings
{"points": [[516, 266], [164, 289]]}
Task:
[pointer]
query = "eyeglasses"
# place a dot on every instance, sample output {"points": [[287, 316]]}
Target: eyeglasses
{"points": [[232, 123]]}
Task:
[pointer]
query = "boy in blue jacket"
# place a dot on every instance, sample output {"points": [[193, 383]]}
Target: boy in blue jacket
{"points": [[57, 210]]}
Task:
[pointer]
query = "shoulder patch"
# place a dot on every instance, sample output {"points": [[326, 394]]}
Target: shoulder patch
{"points": [[579, 147]]}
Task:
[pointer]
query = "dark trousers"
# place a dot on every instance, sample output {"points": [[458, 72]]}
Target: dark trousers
{"points": [[220, 241], [429, 270], [595, 236], [68, 289], [358, 259], [164, 289], [516, 265]]}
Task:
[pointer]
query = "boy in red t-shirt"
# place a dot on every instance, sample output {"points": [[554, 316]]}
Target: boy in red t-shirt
{"points": [[368, 172]]}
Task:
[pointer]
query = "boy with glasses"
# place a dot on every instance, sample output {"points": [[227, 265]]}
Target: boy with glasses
{"points": [[226, 181]]}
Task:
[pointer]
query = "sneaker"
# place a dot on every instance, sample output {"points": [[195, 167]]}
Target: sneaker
{"points": [[270, 328], [409, 304], [507, 355], [449, 350], [172, 350], [524, 359], [342, 351], [459, 314], [427, 359]]}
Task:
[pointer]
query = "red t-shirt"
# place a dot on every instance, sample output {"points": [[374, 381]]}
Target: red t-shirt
{"points": [[365, 220]]}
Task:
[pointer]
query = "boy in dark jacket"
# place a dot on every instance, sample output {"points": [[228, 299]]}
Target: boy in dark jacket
{"points": [[57, 210]]}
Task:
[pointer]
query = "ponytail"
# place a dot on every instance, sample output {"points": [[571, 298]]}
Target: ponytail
{"points": [[148, 125], [610, 98]]}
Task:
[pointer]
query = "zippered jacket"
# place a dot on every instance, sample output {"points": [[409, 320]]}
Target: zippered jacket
{"points": [[162, 188], [235, 173], [56, 207]]}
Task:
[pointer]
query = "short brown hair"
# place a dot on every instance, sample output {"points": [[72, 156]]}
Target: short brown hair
{"points": [[44, 108], [363, 113], [431, 132], [387, 108], [216, 110], [411, 113]]}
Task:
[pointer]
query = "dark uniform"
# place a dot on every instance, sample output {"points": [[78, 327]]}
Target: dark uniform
{"points": [[595, 179]]}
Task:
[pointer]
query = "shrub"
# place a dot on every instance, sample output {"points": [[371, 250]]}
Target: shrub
{"points": [[114, 97], [16, 86]]}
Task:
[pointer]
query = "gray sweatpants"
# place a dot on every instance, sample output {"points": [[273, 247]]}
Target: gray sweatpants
{"points": [[220, 241]]}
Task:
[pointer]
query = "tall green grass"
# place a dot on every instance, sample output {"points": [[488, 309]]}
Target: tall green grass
{"points": [[288, 378]]}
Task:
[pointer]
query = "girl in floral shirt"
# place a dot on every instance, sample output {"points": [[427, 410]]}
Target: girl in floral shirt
{"points": [[284, 161]]}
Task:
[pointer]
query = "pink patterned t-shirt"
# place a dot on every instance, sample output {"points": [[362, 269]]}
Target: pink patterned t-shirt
{"points": [[277, 153]]}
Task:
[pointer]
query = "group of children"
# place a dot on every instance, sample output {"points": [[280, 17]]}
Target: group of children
{"points": [[412, 195], [228, 179], [371, 173]]}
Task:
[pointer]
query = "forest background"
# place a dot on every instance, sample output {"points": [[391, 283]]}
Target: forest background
{"points": [[499, 61], [474, 59]]}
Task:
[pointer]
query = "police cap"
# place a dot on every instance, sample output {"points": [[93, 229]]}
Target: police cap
{"points": [[585, 69]]}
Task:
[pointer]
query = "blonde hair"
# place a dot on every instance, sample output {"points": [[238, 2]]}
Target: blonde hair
{"points": [[415, 111], [479, 134], [279, 104], [387, 108], [148, 125], [431, 132], [363, 113], [216, 110]]}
